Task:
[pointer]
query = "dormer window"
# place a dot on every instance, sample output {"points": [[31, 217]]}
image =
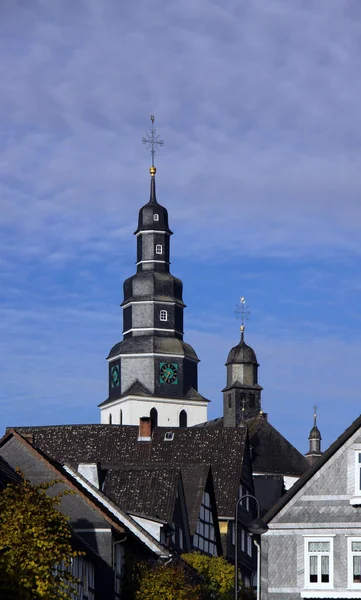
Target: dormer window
{"points": [[163, 315], [158, 249], [155, 217], [168, 436]]}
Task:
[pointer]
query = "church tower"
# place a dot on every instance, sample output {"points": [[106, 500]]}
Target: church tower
{"points": [[242, 394], [152, 371]]}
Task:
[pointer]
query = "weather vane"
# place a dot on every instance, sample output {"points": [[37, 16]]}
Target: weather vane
{"points": [[242, 311], [152, 141]]}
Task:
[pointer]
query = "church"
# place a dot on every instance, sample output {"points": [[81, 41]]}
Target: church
{"points": [[153, 371]]}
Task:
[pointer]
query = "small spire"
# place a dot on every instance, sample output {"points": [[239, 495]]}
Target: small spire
{"points": [[242, 333], [315, 440]]}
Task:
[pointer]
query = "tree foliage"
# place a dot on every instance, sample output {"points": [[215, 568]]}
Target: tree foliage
{"points": [[217, 573], [167, 582], [35, 549], [196, 576]]}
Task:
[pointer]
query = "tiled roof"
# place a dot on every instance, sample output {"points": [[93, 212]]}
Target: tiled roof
{"points": [[117, 445], [144, 491]]}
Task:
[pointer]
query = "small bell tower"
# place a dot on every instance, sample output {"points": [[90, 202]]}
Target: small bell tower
{"points": [[242, 394]]}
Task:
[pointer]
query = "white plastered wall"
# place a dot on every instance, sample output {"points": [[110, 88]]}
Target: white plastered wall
{"points": [[169, 409]]}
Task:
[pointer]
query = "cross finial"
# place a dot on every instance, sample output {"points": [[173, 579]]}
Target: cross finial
{"points": [[152, 141], [242, 312], [314, 415]]}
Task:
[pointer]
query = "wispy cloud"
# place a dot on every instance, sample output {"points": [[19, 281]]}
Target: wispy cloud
{"points": [[258, 103]]}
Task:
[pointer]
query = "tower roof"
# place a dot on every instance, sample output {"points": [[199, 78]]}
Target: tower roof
{"points": [[242, 353], [315, 433], [146, 218]]}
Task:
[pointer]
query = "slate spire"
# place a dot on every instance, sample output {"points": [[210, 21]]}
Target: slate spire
{"points": [[315, 441]]}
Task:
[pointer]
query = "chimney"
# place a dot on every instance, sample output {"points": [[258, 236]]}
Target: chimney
{"points": [[145, 429]]}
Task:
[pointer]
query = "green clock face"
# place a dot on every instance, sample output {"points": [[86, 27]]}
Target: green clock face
{"points": [[114, 376], [168, 373]]}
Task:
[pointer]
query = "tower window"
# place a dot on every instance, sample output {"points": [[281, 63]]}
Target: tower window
{"points": [[163, 315], [154, 417], [229, 400], [252, 401], [155, 217], [158, 249], [183, 418], [110, 419], [120, 417]]}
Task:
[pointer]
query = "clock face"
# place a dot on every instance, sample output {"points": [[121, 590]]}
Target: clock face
{"points": [[114, 376], [168, 373]]}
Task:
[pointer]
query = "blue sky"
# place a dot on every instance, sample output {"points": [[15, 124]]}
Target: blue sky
{"points": [[259, 106]]}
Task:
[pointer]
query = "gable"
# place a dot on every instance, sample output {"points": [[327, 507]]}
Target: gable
{"points": [[326, 496]]}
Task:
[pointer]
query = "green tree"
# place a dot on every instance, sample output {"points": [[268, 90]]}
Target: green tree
{"points": [[35, 548], [218, 574], [167, 582]]}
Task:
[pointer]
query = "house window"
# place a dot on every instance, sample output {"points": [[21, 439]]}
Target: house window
{"points": [[163, 315], [354, 562], [249, 544], [204, 538], [118, 567], [318, 562], [358, 473], [159, 249], [180, 535], [155, 217]]}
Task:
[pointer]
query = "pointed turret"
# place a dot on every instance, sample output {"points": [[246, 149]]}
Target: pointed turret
{"points": [[315, 441]]}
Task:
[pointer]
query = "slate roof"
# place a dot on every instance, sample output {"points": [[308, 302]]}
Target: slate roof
{"points": [[117, 445], [138, 389], [144, 491], [242, 354], [271, 452], [96, 498], [151, 344], [7, 474], [194, 482], [337, 444]]}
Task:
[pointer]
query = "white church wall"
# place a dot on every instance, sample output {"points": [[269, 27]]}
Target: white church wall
{"points": [[168, 410]]}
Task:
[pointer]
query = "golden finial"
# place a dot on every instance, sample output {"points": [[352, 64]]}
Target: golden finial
{"points": [[152, 141]]}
